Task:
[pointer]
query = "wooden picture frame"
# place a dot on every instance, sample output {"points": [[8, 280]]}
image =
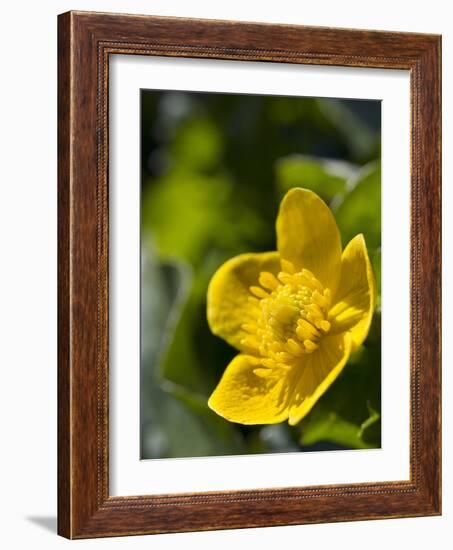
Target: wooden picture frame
{"points": [[85, 42]]}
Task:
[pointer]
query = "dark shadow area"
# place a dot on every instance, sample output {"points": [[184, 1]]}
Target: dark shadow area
{"points": [[49, 523]]}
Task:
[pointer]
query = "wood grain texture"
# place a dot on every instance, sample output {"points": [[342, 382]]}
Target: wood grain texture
{"points": [[86, 40], [64, 370]]}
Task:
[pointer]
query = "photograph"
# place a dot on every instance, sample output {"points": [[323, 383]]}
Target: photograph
{"points": [[260, 292]]}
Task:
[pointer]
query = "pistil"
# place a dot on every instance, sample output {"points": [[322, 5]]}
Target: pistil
{"points": [[291, 316]]}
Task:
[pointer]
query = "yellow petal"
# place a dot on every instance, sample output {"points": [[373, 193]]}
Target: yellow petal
{"points": [[318, 372], [230, 302], [355, 298], [308, 236], [249, 393]]}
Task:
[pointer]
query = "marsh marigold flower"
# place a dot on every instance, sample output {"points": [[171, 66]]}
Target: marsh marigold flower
{"points": [[295, 315]]}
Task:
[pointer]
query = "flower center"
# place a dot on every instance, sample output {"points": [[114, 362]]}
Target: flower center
{"points": [[291, 315]]}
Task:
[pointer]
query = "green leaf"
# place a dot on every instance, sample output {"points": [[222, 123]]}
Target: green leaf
{"points": [[198, 144], [359, 210], [181, 363], [176, 427], [362, 141], [209, 192], [325, 177], [164, 289], [221, 436], [197, 219], [187, 213], [329, 426], [167, 413], [369, 422], [348, 413]]}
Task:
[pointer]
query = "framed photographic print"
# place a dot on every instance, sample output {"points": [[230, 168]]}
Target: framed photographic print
{"points": [[249, 275]]}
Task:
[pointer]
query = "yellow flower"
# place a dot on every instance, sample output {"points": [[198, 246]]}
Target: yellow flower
{"points": [[295, 315]]}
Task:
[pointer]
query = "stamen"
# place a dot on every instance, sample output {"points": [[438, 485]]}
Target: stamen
{"points": [[262, 373], [283, 357], [287, 266], [258, 292], [291, 318], [320, 300], [315, 310], [308, 329], [275, 347], [293, 347], [283, 366], [285, 278], [269, 363], [250, 343], [310, 346], [312, 280], [268, 280]]}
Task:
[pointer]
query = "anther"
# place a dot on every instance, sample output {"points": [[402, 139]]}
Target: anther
{"points": [[293, 347], [320, 300], [268, 280], [287, 266], [285, 278], [269, 363], [312, 279], [310, 346], [262, 373], [291, 314], [259, 292], [249, 328], [250, 343], [315, 311]]}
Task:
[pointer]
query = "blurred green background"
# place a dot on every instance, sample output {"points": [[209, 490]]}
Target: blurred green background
{"points": [[214, 169]]}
